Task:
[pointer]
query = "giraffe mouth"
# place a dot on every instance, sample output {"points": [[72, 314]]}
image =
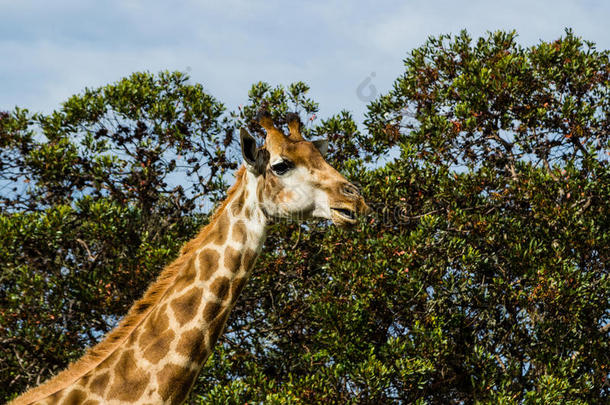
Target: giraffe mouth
{"points": [[345, 214]]}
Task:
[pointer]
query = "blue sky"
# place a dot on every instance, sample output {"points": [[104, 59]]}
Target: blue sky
{"points": [[50, 50]]}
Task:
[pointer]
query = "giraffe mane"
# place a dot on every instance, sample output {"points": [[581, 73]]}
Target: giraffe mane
{"points": [[196, 241], [135, 316]]}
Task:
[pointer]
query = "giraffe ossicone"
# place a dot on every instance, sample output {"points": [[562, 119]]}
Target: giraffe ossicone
{"points": [[156, 352]]}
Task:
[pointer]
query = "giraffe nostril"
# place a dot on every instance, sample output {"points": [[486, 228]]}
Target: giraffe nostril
{"points": [[350, 190]]}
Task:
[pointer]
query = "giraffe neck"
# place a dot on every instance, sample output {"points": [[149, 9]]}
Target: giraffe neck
{"points": [[160, 358], [173, 344]]}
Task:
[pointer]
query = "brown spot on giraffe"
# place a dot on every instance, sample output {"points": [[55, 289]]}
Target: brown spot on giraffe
{"points": [[92, 402], [220, 287], [192, 344], [223, 229], [236, 287], [76, 397], [232, 259], [211, 311], [187, 275], [239, 233], [185, 307], [84, 380], [174, 383], [248, 259], [216, 327], [159, 347], [99, 383], [208, 262], [128, 381], [272, 187]]}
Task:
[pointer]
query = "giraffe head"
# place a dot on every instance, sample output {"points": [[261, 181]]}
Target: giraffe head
{"points": [[294, 179]]}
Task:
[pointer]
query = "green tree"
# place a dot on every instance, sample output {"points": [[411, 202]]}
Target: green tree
{"points": [[483, 277], [504, 154], [95, 199]]}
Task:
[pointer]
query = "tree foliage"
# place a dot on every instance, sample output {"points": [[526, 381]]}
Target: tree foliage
{"points": [[95, 199], [481, 278]]}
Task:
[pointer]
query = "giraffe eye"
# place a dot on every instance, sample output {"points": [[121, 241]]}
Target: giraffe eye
{"points": [[282, 167]]}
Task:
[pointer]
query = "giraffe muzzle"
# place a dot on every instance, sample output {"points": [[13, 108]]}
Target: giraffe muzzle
{"points": [[347, 212]]}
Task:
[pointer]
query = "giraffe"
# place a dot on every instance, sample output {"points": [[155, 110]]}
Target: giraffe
{"points": [[156, 352]]}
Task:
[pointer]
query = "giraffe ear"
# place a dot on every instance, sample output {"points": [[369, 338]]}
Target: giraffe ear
{"points": [[321, 145], [248, 147], [256, 159]]}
